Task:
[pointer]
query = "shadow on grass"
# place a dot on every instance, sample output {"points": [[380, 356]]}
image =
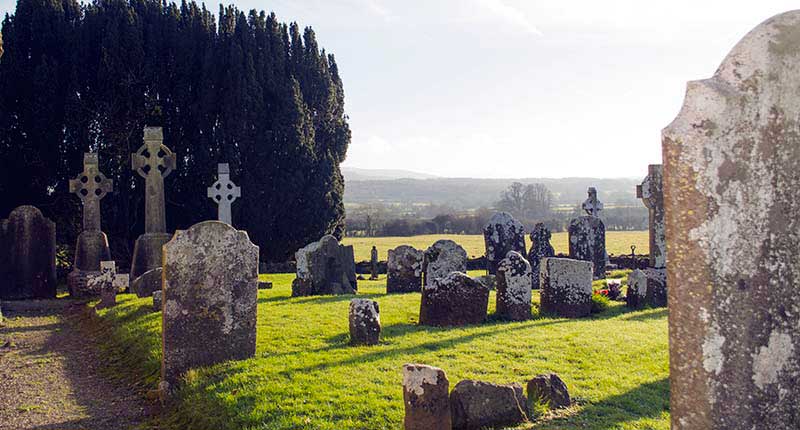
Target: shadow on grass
{"points": [[288, 300], [638, 316]]}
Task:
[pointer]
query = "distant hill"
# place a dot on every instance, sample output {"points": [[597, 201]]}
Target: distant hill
{"points": [[356, 174]]}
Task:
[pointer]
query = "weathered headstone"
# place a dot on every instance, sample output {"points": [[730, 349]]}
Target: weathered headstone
{"points": [[153, 162], [27, 255], [566, 287], [442, 258], [548, 390], [651, 193], [145, 285], [502, 234], [587, 236], [210, 292], [540, 248], [514, 287], [373, 263], [325, 267], [647, 288], [454, 300], [224, 192], [103, 283], [478, 405], [731, 163], [158, 300], [426, 396], [365, 322], [404, 270]]}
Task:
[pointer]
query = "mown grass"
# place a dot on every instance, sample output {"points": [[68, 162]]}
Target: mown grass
{"points": [[306, 376], [617, 243]]}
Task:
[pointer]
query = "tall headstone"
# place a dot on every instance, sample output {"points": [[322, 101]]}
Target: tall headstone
{"points": [[587, 235], [325, 267], [502, 234], [731, 163], [404, 270], [540, 248], [443, 258], [27, 255], [209, 299], [91, 248], [224, 192], [651, 193], [153, 162], [513, 300]]}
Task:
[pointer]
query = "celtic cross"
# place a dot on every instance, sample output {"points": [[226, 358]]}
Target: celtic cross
{"points": [[591, 205], [91, 186], [154, 161], [224, 192]]}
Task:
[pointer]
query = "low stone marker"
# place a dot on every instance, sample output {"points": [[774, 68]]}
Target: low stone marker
{"points": [[103, 284], [158, 300], [210, 292], [454, 300], [566, 287], [149, 282], [27, 255], [502, 234], [477, 405], [325, 267], [548, 390], [647, 288], [540, 248], [404, 270], [365, 322], [514, 288], [426, 396], [443, 258]]}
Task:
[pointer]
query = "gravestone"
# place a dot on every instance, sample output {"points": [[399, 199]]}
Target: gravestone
{"points": [[647, 288], [153, 161], [502, 234], [587, 236], [477, 405], [209, 299], [404, 270], [27, 255], [149, 282], [325, 267], [731, 163], [224, 192], [103, 284], [373, 263], [91, 248], [548, 390], [566, 287], [514, 288], [365, 322], [651, 193], [158, 300], [426, 397], [540, 248], [443, 258], [454, 300]]}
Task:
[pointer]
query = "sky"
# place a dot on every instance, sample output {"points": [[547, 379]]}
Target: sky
{"points": [[516, 88]]}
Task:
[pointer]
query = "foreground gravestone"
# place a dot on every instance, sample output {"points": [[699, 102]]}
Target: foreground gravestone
{"points": [[404, 270], [647, 288], [502, 234], [731, 182], [540, 248], [566, 287], [426, 396], [652, 194], [443, 258], [548, 390], [27, 255], [224, 192], [153, 162], [514, 288], [454, 300], [587, 236], [478, 405], [209, 299], [325, 267], [365, 322]]}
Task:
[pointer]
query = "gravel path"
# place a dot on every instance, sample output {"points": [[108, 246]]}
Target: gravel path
{"points": [[48, 377]]}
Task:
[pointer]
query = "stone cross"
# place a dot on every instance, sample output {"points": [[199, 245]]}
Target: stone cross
{"points": [[591, 205], [91, 186], [154, 161], [224, 192], [650, 191]]}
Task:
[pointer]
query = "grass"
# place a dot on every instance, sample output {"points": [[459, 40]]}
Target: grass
{"points": [[306, 376], [617, 242]]}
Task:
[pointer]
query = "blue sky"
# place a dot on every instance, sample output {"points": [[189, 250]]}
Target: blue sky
{"points": [[514, 88]]}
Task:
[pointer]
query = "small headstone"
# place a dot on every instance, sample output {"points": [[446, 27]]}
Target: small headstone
{"points": [[502, 234], [647, 288], [404, 270], [426, 396], [566, 287], [478, 405], [454, 300], [145, 285], [651, 193], [548, 390], [210, 292], [540, 248], [224, 192], [122, 282], [587, 242], [373, 264], [27, 255], [104, 284], [514, 288], [365, 322], [325, 267], [443, 258], [158, 297]]}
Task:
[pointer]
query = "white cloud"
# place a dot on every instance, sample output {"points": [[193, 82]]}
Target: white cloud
{"points": [[511, 15]]}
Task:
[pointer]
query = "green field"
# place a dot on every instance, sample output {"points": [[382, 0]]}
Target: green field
{"points": [[306, 376], [617, 242]]}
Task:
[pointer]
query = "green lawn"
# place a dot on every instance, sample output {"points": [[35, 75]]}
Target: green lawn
{"points": [[617, 242], [306, 376]]}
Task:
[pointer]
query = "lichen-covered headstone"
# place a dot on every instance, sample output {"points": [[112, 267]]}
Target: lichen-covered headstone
{"points": [[587, 242], [365, 322], [443, 258], [158, 300], [651, 193], [149, 282], [548, 390], [224, 192], [426, 396], [647, 288], [454, 300], [404, 270], [27, 255], [325, 267], [502, 234], [566, 287], [210, 291], [540, 248], [514, 287], [103, 283], [478, 405], [731, 163]]}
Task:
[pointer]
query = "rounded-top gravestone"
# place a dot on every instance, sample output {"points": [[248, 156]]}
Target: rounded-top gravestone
{"points": [[28, 255], [404, 270], [443, 258], [514, 287], [540, 248], [502, 234], [325, 267]]}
